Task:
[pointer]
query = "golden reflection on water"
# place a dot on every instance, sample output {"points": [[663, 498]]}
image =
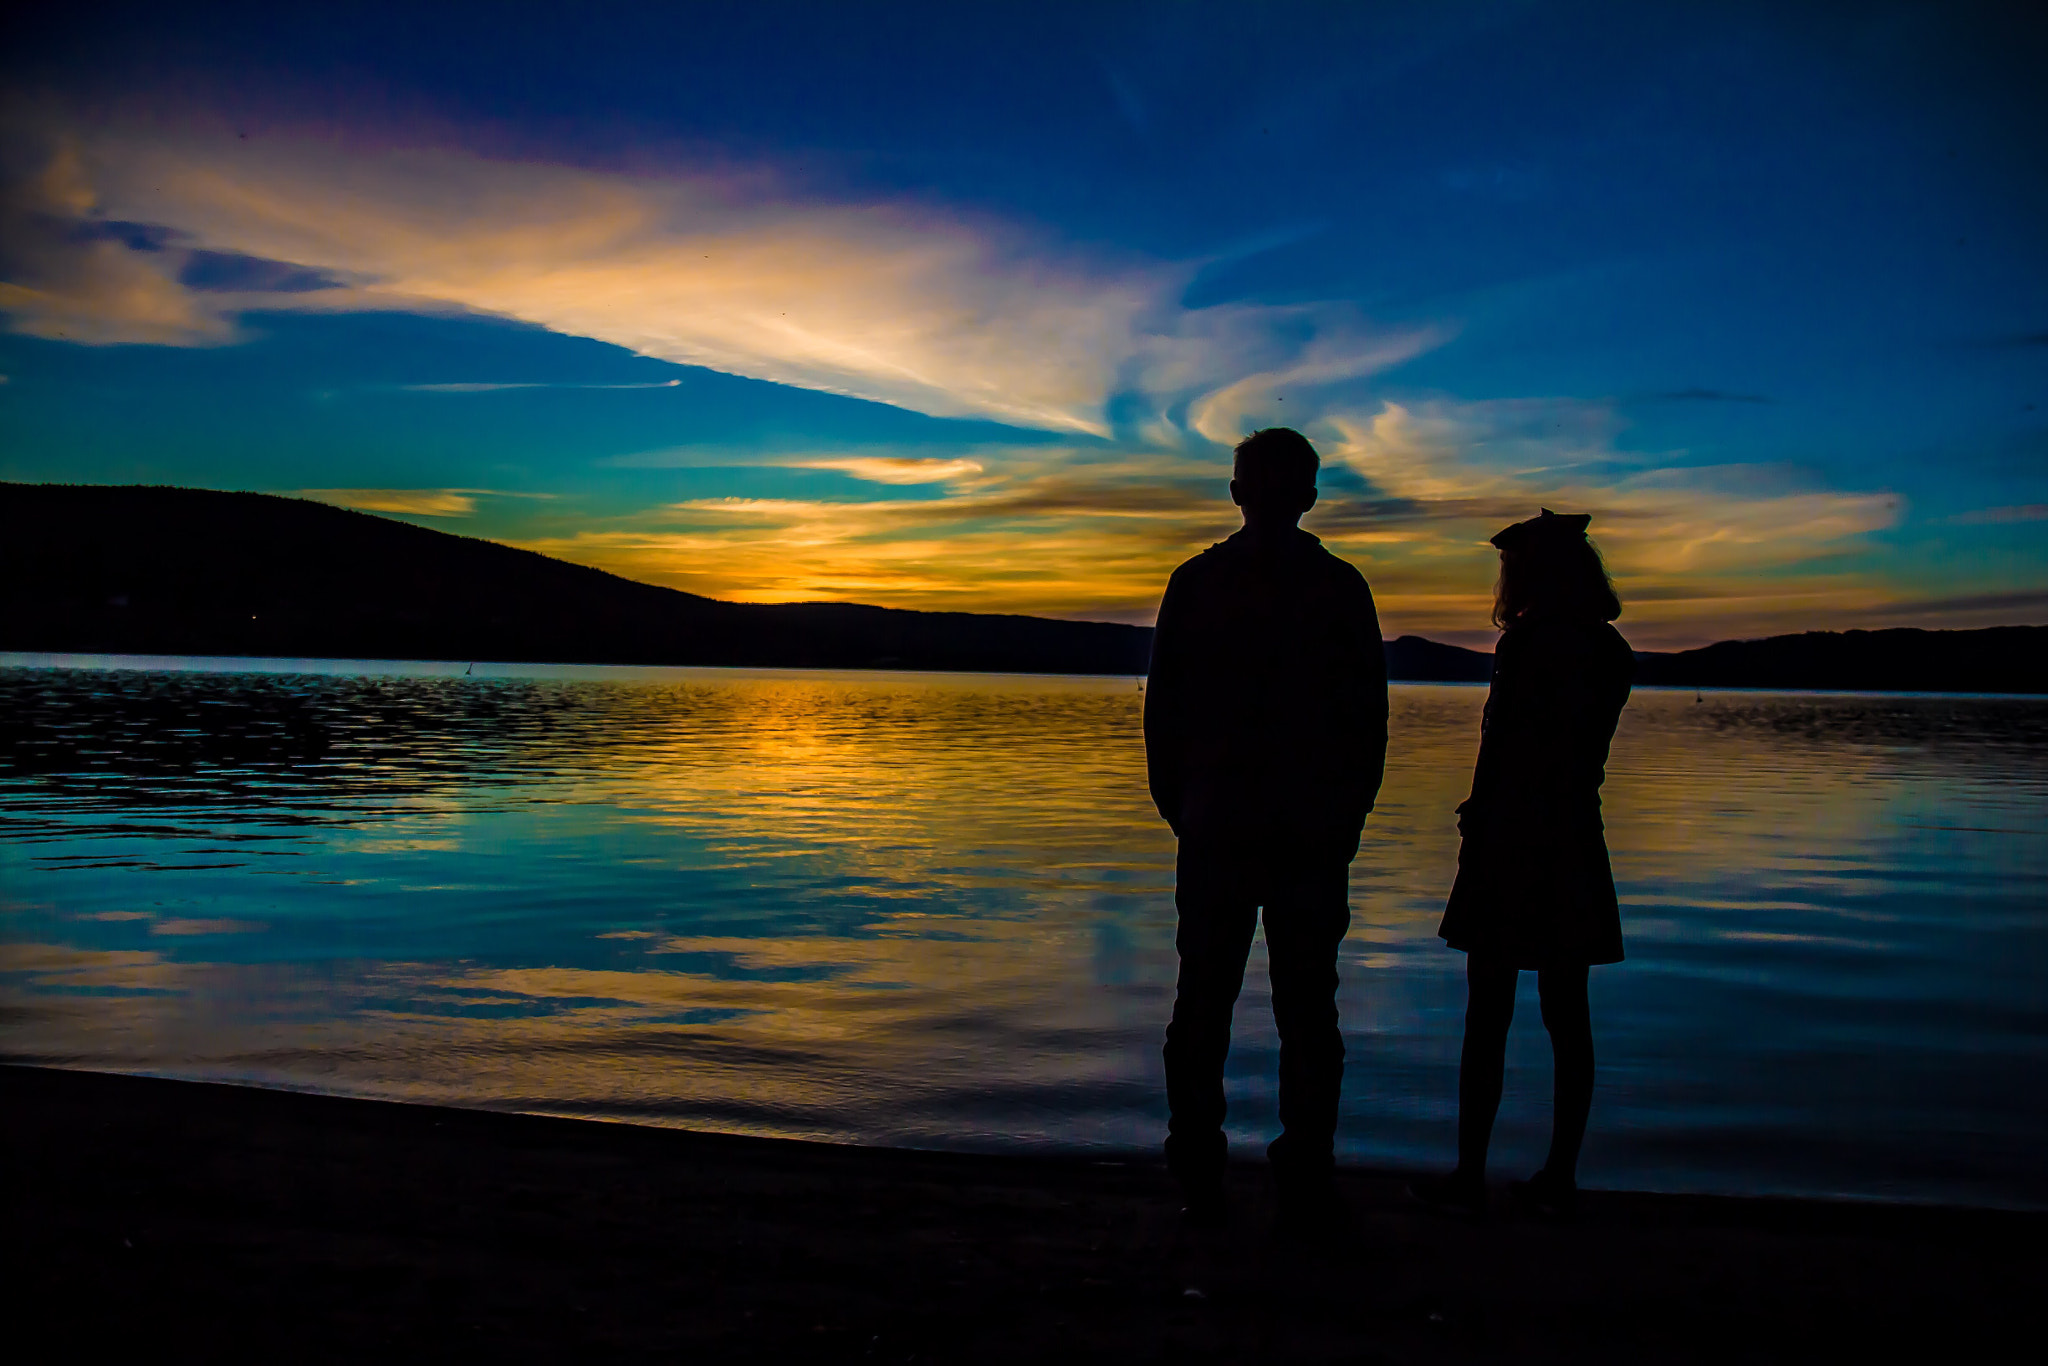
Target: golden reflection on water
{"points": [[936, 910]]}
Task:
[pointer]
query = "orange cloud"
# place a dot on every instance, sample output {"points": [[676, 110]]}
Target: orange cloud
{"points": [[412, 502], [947, 313], [1698, 552]]}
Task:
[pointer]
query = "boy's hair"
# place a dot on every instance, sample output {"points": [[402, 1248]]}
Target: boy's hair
{"points": [[1275, 458]]}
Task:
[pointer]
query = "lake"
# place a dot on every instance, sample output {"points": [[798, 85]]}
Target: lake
{"points": [[935, 910]]}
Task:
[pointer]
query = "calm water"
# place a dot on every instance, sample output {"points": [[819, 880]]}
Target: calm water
{"points": [[935, 910]]}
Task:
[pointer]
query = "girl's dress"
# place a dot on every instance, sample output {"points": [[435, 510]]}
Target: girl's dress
{"points": [[1534, 886]]}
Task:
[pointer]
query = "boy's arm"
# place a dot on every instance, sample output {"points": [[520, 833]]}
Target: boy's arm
{"points": [[1165, 701], [1372, 765]]}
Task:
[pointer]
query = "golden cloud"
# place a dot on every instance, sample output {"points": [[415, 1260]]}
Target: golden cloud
{"points": [[1076, 534], [946, 313], [893, 469], [1688, 545], [742, 271], [1481, 462], [410, 502]]}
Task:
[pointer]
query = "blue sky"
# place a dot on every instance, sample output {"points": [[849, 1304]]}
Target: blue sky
{"points": [[960, 306]]}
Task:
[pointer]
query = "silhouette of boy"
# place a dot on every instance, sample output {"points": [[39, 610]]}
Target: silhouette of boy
{"points": [[1265, 740]]}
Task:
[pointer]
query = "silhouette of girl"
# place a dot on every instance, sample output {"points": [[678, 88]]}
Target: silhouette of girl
{"points": [[1534, 889]]}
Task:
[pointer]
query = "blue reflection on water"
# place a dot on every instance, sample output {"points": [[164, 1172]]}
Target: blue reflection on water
{"points": [[935, 909]]}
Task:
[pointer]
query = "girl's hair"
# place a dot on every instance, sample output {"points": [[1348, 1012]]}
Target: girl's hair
{"points": [[1557, 577]]}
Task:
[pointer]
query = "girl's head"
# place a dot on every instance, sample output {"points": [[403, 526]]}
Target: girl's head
{"points": [[1548, 567]]}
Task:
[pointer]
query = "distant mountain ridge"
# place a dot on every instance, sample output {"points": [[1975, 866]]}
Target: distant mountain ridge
{"points": [[155, 570], [2010, 659]]}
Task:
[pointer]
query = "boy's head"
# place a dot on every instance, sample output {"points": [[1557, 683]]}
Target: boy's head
{"points": [[1274, 475]]}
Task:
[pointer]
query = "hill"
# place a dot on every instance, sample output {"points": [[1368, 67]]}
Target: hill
{"points": [[2010, 659], [147, 570], [1411, 659], [143, 570]]}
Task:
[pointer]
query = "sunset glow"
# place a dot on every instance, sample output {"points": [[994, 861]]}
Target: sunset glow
{"points": [[950, 349]]}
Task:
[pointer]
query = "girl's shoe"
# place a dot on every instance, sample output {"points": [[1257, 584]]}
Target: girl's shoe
{"points": [[1546, 1196], [1453, 1194]]}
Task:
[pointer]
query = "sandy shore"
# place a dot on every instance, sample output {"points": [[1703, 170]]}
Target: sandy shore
{"points": [[175, 1219]]}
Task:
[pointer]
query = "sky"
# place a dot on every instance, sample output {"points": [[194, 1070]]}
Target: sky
{"points": [[961, 306]]}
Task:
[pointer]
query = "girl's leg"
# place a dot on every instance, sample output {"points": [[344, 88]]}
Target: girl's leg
{"points": [[1569, 1019], [1489, 1009]]}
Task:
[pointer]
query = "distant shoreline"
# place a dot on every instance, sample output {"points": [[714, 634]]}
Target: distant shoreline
{"points": [[544, 669]]}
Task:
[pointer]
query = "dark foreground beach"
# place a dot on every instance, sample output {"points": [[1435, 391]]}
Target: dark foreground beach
{"points": [[187, 1220]]}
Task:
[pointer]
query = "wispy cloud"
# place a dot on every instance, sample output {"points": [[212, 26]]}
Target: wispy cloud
{"points": [[1456, 461], [1411, 492], [69, 283], [493, 386], [1260, 399], [1686, 542], [743, 271], [146, 236], [1033, 531], [893, 469], [2023, 512], [1967, 609], [410, 502]]}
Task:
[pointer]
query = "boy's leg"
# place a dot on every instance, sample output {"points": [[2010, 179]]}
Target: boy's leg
{"points": [[1306, 920], [1217, 916]]}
